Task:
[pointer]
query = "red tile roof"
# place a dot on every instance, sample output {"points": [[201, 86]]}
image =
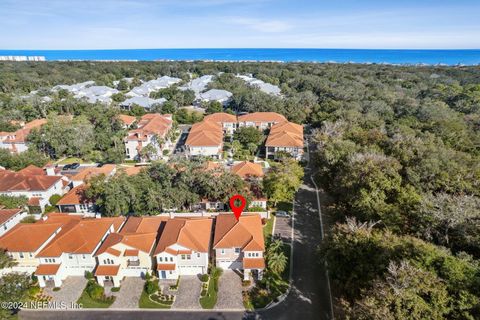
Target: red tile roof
{"points": [[193, 234], [127, 120], [253, 263], [151, 124], [75, 196], [6, 214], [107, 270], [246, 233], [140, 241], [286, 134], [248, 169], [259, 117], [32, 170], [166, 266], [205, 134], [221, 117], [15, 181], [87, 173], [28, 237], [47, 269], [130, 253], [20, 136]]}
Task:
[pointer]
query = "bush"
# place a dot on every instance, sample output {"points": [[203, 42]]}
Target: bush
{"points": [[216, 272], [54, 199], [56, 289], [94, 290], [88, 275], [246, 283], [166, 152], [151, 287], [115, 289], [204, 277], [29, 219], [148, 276]]}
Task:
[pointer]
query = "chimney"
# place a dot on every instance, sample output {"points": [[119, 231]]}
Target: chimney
{"points": [[50, 170]]}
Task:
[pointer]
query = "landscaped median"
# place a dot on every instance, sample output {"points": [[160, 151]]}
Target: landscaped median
{"points": [[153, 298], [93, 296], [208, 296]]}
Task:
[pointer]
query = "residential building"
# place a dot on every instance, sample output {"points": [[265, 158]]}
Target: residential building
{"points": [[205, 139], [16, 141], [239, 244], [37, 188], [152, 129], [222, 96], [24, 241], [10, 218], [285, 137], [88, 172], [183, 248], [127, 120], [71, 252], [75, 201], [226, 120], [247, 169], [260, 120]]}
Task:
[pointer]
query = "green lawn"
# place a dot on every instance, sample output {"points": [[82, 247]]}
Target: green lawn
{"points": [[209, 301], [268, 227], [88, 302], [146, 303]]}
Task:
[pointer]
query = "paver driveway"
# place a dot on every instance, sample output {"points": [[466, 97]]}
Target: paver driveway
{"points": [[69, 293], [229, 291], [188, 293], [129, 294]]}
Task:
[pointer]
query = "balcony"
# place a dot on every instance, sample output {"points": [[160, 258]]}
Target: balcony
{"points": [[133, 263]]}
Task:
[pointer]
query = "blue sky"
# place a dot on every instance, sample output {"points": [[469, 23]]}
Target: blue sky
{"points": [[109, 24]]}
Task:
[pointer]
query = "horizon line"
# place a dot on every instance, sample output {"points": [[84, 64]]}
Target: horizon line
{"points": [[252, 48]]}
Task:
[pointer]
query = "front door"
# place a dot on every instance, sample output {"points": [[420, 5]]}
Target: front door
{"points": [[164, 274]]}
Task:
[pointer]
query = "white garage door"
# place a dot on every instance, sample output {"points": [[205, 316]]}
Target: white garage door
{"points": [[229, 265], [191, 270]]}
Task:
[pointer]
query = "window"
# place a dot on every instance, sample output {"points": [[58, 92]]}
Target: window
{"points": [[237, 250], [83, 257], [30, 255], [189, 256], [171, 259], [198, 255], [222, 251], [160, 259], [183, 257], [70, 257], [21, 255]]}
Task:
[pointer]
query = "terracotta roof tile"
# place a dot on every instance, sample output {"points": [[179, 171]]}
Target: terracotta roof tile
{"points": [[246, 168], [107, 270], [253, 263], [85, 174], [166, 266], [28, 237], [193, 234], [47, 269], [285, 134], [204, 134], [75, 196], [32, 170], [246, 233], [15, 181], [151, 124], [6, 214], [126, 119], [262, 117], [221, 117], [130, 253]]}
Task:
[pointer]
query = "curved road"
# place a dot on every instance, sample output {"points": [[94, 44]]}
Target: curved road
{"points": [[309, 297]]}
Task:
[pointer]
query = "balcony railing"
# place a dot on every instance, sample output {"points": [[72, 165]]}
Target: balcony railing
{"points": [[133, 263]]}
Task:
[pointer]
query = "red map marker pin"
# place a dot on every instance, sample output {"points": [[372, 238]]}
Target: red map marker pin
{"points": [[237, 211]]}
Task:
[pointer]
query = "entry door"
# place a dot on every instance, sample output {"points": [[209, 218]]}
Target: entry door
{"points": [[164, 274]]}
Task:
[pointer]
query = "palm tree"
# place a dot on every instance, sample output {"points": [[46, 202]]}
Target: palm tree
{"points": [[275, 247], [277, 262]]}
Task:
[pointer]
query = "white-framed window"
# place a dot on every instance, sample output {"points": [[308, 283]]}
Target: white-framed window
{"points": [[70, 256], [182, 257], [84, 257], [222, 251], [189, 256], [237, 250], [171, 259], [160, 259], [20, 254], [198, 254]]}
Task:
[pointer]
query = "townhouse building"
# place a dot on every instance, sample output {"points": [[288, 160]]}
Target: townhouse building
{"points": [[71, 252], [16, 141], [239, 244], [152, 129], [76, 202], [226, 120], [128, 253], [285, 137], [10, 218], [205, 139], [260, 120], [183, 248]]}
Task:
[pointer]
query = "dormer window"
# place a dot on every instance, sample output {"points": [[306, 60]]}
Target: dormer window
{"points": [[237, 250]]}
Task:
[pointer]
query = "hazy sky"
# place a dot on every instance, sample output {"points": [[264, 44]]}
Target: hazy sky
{"points": [[108, 24]]}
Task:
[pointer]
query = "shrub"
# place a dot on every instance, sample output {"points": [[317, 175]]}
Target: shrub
{"points": [[56, 289], [166, 152], [151, 287], [54, 199], [88, 275], [204, 277], [148, 276], [216, 272], [94, 290], [29, 219], [34, 278], [246, 283], [115, 289]]}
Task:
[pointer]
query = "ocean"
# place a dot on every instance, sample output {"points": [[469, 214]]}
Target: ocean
{"points": [[429, 57]]}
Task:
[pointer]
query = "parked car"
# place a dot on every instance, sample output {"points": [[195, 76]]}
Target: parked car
{"points": [[66, 167], [282, 214], [75, 166]]}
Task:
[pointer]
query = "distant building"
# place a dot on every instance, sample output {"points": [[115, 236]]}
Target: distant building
{"points": [[222, 96], [285, 137], [228, 121], [10, 218], [260, 120], [16, 141], [152, 129], [205, 139], [144, 102]]}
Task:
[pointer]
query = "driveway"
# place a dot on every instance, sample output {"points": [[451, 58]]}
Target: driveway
{"points": [[229, 291], [129, 294], [188, 293], [69, 293], [283, 228]]}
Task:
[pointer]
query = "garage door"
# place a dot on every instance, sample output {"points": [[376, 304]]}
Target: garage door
{"points": [[229, 265], [191, 270]]}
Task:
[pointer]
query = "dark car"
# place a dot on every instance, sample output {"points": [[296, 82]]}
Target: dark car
{"points": [[66, 167], [75, 166]]}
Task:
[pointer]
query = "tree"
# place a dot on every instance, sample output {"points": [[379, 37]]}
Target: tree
{"points": [[213, 107], [277, 262], [149, 152], [14, 287], [247, 135], [5, 260], [13, 202], [283, 181]]}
